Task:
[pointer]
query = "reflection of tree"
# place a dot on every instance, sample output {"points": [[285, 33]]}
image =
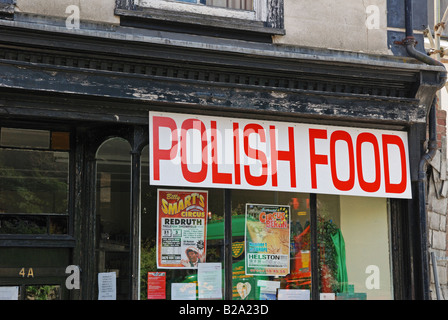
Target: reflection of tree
{"points": [[21, 225], [42, 292], [32, 182], [148, 263]]}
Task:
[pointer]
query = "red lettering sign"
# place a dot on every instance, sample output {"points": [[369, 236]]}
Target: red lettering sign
{"points": [[218, 177], [366, 137], [194, 177], [289, 155], [350, 182], [316, 158], [266, 155], [163, 154], [394, 187], [256, 154]]}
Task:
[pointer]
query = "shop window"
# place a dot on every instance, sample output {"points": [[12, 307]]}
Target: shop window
{"points": [[178, 271], [31, 292], [113, 161], [34, 182], [285, 238], [42, 292], [351, 249], [353, 240]]}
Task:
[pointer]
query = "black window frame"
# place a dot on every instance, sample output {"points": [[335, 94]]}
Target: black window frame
{"points": [[7, 9], [132, 15], [47, 240]]}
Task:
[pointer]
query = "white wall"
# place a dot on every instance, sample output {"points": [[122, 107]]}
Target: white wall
{"points": [[336, 25], [311, 23], [90, 10]]}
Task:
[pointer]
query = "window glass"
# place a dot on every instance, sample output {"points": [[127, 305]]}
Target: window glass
{"points": [[43, 292], [353, 241], [33, 191], [25, 138], [60, 140], [113, 212], [352, 244], [231, 4], [179, 282], [262, 281]]}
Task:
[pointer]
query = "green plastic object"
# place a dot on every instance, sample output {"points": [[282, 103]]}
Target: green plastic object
{"points": [[341, 275]]}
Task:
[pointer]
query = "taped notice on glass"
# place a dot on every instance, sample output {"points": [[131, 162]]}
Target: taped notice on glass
{"points": [[293, 294], [107, 286], [181, 228], [9, 293]]}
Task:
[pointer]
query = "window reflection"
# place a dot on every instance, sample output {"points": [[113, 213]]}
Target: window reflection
{"points": [[264, 287], [352, 236], [181, 277], [33, 191], [231, 4], [113, 212]]}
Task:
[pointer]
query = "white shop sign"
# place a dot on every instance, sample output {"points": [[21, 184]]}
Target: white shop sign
{"points": [[217, 152]]}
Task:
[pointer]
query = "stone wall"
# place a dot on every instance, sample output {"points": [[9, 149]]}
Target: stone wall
{"points": [[437, 212]]}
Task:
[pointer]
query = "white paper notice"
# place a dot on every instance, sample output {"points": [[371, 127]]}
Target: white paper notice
{"points": [[183, 291], [107, 286], [293, 294], [327, 296], [268, 289], [209, 281], [9, 293]]}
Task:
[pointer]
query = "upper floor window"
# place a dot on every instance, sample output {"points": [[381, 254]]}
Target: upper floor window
{"points": [[231, 4], [240, 9], [254, 20]]}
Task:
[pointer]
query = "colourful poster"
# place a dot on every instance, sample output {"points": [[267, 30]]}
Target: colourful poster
{"points": [[181, 228], [156, 285], [267, 239]]}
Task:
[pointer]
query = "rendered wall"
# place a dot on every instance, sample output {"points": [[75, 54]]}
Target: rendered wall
{"points": [[353, 25], [98, 10]]}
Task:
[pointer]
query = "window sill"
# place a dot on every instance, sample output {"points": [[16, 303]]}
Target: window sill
{"points": [[200, 24]]}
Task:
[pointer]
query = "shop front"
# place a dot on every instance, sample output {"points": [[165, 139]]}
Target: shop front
{"points": [[208, 173], [286, 210]]}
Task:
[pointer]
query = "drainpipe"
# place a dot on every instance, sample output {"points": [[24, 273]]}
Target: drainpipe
{"points": [[422, 187], [410, 43]]}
